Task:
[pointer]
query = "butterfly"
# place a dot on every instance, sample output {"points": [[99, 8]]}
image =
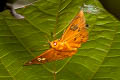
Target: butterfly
{"points": [[68, 44]]}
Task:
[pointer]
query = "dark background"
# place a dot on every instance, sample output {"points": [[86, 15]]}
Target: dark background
{"points": [[112, 6]]}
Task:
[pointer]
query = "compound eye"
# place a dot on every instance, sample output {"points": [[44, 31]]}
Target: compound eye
{"points": [[54, 43]]}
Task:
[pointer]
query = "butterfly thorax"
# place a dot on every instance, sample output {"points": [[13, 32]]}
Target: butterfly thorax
{"points": [[60, 45]]}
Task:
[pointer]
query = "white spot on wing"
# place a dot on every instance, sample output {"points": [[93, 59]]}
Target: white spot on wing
{"points": [[39, 59], [43, 59]]}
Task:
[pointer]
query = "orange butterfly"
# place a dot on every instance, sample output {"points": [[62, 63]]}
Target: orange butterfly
{"points": [[67, 45]]}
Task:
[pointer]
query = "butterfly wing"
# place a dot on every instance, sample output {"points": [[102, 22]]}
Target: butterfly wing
{"points": [[76, 32], [74, 27], [50, 55], [78, 39]]}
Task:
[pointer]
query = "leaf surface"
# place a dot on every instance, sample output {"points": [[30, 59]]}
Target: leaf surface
{"points": [[22, 40]]}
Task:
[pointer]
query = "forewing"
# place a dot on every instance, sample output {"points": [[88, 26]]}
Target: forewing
{"points": [[81, 37], [50, 55], [74, 27], [78, 39]]}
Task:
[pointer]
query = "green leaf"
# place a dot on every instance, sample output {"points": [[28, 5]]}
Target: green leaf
{"points": [[22, 40]]}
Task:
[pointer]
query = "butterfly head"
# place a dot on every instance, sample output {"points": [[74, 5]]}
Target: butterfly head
{"points": [[56, 44]]}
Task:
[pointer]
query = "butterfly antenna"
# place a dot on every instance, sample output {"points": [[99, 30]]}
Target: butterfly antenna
{"points": [[47, 39]]}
